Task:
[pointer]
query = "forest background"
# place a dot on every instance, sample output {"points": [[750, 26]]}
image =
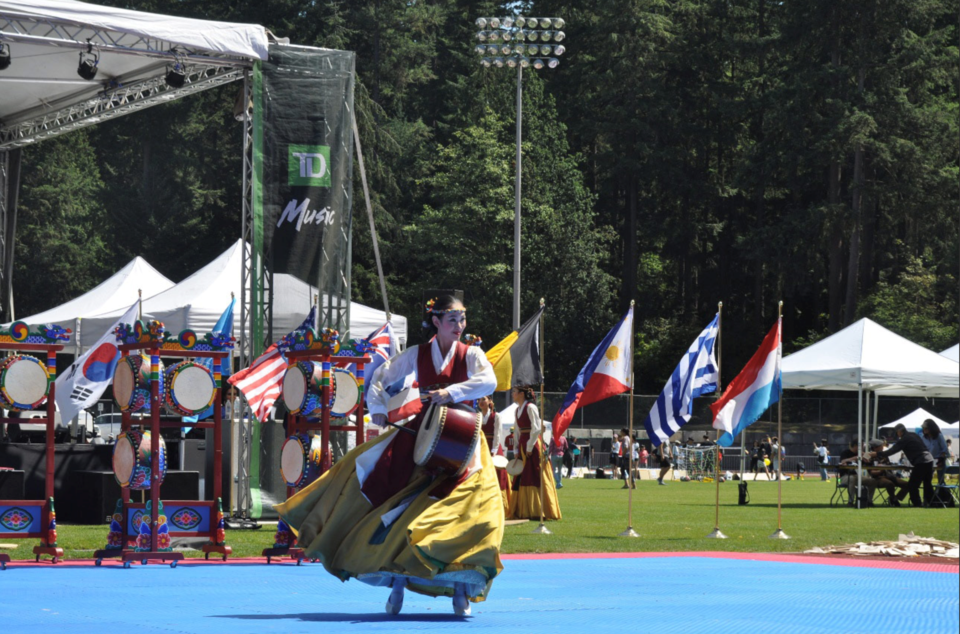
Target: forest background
{"points": [[684, 153]]}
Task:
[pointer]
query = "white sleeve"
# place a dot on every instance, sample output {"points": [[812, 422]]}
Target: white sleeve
{"points": [[497, 434], [481, 379], [534, 414], [389, 373]]}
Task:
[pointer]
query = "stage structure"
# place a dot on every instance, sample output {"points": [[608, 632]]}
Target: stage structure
{"points": [[66, 65]]}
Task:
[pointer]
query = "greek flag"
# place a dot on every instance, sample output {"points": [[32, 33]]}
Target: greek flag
{"points": [[695, 376]]}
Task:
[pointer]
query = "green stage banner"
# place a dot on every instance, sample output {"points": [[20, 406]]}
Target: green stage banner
{"points": [[303, 163]]}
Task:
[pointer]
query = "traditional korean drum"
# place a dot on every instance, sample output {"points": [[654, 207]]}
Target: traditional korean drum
{"points": [[302, 392], [500, 462], [131, 459], [346, 393], [131, 383], [24, 383], [190, 389], [515, 467], [447, 439], [300, 460]]}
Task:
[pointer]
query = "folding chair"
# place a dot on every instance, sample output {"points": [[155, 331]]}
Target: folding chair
{"points": [[951, 489], [840, 494]]}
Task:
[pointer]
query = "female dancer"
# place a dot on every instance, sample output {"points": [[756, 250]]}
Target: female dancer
{"points": [[493, 431], [381, 518], [525, 499]]}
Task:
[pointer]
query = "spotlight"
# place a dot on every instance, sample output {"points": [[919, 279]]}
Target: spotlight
{"points": [[520, 35], [533, 49], [481, 23], [482, 36], [544, 50], [538, 63], [89, 61], [493, 51], [480, 49], [545, 36], [520, 21], [494, 23], [511, 62], [524, 62], [532, 23], [507, 23], [558, 23], [486, 62], [553, 63], [176, 75], [519, 49], [532, 36], [506, 49], [493, 36], [558, 36], [498, 62], [4, 56], [559, 50], [507, 36]]}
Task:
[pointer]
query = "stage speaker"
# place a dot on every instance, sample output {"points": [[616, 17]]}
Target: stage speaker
{"points": [[101, 492], [12, 485]]}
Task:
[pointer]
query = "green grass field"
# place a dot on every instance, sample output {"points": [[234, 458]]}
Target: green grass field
{"points": [[676, 517]]}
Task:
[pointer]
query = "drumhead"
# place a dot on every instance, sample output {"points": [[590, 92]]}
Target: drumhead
{"points": [[429, 434], [124, 458], [124, 381], [24, 381], [192, 385], [294, 388], [293, 458], [500, 462], [515, 467], [346, 393]]}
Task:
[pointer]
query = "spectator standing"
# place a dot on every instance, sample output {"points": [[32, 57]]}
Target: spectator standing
{"points": [[615, 453], [936, 445], [626, 452], [568, 456], [822, 452], [951, 457], [664, 452], [775, 454], [915, 451], [643, 455], [755, 455], [558, 447]]}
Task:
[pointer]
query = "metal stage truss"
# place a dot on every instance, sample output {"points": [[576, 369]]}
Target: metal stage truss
{"points": [[135, 87]]}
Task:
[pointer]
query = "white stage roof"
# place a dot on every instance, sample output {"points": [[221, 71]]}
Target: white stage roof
{"points": [[952, 353]]}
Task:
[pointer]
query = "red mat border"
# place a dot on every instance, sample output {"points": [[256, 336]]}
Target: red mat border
{"points": [[782, 558], [792, 559]]}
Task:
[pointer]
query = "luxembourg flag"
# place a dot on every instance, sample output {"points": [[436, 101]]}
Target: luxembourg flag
{"points": [[607, 373], [755, 389]]}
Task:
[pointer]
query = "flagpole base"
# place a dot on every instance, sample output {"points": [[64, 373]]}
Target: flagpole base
{"points": [[716, 534], [542, 530], [629, 533], [779, 534]]}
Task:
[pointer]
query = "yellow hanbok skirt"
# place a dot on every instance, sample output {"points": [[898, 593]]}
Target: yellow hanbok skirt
{"points": [[433, 543], [525, 499]]}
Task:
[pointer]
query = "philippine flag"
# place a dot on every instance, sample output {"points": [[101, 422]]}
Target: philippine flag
{"points": [[607, 373], [755, 389]]}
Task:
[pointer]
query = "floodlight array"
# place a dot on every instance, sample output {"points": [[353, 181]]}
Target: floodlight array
{"points": [[520, 41]]}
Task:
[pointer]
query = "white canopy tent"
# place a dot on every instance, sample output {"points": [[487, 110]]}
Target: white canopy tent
{"points": [[116, 293], [914, 419], [866, 357], [952, 353], [198, 301]]}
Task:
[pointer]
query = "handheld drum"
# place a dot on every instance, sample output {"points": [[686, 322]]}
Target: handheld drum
{"points": [[24, 382], [300, 460], [190, 389], [131, 459], [500, 462], [131, 383], [447, 439], [302, 388], [346, 393]]}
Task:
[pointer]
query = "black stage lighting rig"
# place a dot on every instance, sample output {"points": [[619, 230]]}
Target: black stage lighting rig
{"points": [[4, 56], [89, 61]]}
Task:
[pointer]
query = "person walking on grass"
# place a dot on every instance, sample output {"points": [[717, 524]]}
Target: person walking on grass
{"points": [[822, 452], [664, 463]]}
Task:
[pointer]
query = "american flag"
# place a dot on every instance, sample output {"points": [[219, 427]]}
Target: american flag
{"points": [[261, 383]]}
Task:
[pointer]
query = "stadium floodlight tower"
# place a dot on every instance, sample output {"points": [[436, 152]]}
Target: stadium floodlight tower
{"points": [[519, 42]]}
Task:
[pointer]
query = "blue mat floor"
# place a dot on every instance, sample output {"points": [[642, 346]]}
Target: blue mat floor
{"points": [[672, 594]]}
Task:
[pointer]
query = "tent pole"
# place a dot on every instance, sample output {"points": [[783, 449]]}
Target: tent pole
{"points": [[876, 406], [859, 440]]}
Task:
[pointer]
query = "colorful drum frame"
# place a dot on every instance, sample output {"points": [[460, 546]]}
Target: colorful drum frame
{"points": [[131, 383], [24, 383], [190, 389], [131, 460], [300, 459]]}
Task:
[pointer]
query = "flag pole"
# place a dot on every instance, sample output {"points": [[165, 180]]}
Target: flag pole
{"points": [[139, 303], [717, 533], [630, 532], [779, 534], [542, 528]]}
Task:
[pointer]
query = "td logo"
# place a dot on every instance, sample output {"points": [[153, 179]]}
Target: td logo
{"points": [[308, 165]]}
